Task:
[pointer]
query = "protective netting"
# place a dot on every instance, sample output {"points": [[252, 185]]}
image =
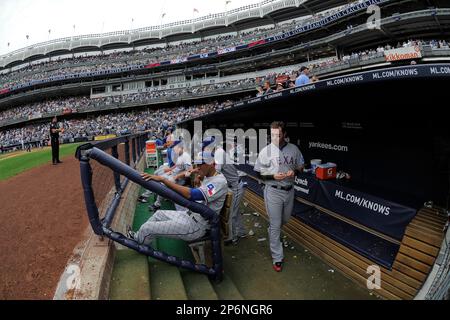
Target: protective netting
{"points": [[105, 183], [103, 186], [121, 151]]}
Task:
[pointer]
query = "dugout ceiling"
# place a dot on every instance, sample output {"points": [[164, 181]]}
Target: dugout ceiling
{"points": [[391, 136]]}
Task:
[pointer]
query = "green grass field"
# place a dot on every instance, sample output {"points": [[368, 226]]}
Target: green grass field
{"points": [[12, 164]]}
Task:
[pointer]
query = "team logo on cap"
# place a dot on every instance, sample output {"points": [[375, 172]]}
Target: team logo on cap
{"points": [[211, 189]]}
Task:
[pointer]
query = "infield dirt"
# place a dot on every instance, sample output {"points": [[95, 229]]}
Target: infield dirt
{"points": [[42, 218]]}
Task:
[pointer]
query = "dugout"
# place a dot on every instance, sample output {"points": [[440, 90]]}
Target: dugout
{"points": [[390, 135], [387, 129]]}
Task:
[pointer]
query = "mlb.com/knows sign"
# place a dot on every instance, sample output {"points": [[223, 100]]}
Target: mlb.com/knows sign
{"points": [[405, 53]]}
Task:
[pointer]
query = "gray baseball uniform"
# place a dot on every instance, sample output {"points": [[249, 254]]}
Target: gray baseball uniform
{"points": [[160, 172], [278, 195], [185, 225], [183, 163], [225, 165]]}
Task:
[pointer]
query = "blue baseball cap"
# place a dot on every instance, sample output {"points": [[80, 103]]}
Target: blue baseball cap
{"points": [[207, 142], [176, 142], [204, 157]]}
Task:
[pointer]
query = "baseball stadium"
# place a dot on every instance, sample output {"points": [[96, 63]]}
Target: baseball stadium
{"points": [[274, 150]]}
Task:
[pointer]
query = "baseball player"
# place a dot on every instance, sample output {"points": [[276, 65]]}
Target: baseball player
{"points": [[183, 163], [162, 169], [277, 164], [186, 225], [225, 165]]}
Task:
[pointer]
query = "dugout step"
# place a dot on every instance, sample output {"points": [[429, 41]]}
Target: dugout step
{"points": [[130, 278], [165, 281], [226, 289], [372, 247], [198, 286]]}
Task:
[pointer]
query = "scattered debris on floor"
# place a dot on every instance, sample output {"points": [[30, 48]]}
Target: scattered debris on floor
{"points": [[261, 239]]}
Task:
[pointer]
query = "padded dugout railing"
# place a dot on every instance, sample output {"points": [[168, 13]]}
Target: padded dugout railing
{"points": [[102, 226]]}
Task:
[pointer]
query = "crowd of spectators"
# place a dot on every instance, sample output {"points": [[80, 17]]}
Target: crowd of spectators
{"points": [[132, 122], [115, 123], [99, 64], [276, 81], [77, 104], [123, 59], [39, 109], [273, 81], [105, 62], [374, 53]]}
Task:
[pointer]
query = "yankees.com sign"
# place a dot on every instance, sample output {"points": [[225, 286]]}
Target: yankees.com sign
{"points": [[328, 146]]}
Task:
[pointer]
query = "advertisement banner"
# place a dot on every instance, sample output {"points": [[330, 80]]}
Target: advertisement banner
{"points": [[242, 46], [306, 187], [153, 65], [104, 137], [226, 50], [371, 211], [255, 43], [405, 53], [179, 60]]}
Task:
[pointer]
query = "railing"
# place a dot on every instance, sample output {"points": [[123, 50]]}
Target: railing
{"points": [[126, 168]]}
